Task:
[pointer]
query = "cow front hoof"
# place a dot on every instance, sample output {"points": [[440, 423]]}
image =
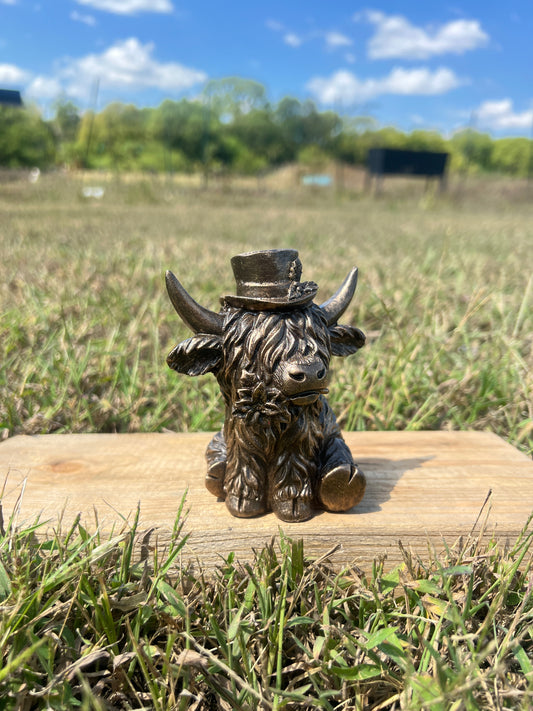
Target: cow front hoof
{"points": [[342, 487], [214, 481], [245, 508], [293, 510]]}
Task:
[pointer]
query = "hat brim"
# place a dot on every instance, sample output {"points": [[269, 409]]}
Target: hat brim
{"points": [[269, 304]]}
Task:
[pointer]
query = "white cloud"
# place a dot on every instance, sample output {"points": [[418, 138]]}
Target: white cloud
{"points": [[336, 39], [86, 19], [128, 64], [10, 75], [347, 87], [292, 39], [44, 88], [129, 7], [500, 116], [421, 81], [333, 40], [8, 2], [342, 86], [275, 26], [396, 37]]}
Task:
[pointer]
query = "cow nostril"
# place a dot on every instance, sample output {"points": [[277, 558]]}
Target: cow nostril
{"points": [[298, 376], [321, 374]]}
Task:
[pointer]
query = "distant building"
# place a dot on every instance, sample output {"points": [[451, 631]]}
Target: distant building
{"points": [[392, 161], [9, 97]]}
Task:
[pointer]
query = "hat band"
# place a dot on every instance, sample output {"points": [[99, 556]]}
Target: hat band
{"points": [[268, 290], [286, 291]]}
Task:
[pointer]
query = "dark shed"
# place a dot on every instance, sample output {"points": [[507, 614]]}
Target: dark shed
{"points": [[9, 97], [392, 161]]}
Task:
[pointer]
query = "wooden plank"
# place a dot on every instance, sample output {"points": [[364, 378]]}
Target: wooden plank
{"points": [[422, 486]]}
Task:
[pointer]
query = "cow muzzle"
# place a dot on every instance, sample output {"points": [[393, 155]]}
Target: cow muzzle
{"points": [[304, 382]]}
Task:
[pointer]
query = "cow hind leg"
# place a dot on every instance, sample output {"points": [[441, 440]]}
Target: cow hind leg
{"points": [[216, 455], [341, 483]]}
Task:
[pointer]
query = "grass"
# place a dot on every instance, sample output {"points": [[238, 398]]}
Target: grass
{"points": [[445, 296], [83, 624]]}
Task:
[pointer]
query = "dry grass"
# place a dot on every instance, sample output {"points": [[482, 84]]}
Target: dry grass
{"points": [[445, 295]]}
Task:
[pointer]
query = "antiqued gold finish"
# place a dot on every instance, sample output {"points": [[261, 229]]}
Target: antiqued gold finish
{"points": [[270, 347]]}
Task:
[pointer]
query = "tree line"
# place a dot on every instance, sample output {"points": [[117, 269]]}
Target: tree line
{"points": [[232, 127]]}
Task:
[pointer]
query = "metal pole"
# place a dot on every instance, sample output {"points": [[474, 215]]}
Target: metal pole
{"points": [[96, 88], [530, 159]]}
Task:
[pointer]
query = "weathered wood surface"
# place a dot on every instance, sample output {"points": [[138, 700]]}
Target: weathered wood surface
{"points": [[422, 486]]}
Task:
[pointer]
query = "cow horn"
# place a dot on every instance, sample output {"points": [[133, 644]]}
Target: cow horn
{"points": [[196, 317], [334, 308]]}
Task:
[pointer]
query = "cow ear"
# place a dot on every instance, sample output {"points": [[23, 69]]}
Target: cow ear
{"points": [[346, 340], [197, 355]]}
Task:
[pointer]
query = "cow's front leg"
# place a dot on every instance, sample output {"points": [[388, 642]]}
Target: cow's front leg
{"points": [[293, 509], [245, 489], [341, 484], [216, 455], [291, 488]]}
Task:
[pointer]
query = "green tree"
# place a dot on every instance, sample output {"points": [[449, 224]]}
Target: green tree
{"points": [[471, 151], [115, 137], [512, 156], [231, 97], [228, 154], [25, 139], [186, 127], [386, 137], [313, 157], [354, 140], [231, 128], [425, 141], [303, 125], [261, 136], [66, 121]]}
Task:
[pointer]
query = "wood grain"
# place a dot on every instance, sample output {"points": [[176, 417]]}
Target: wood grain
{"points": [[423, 488]]}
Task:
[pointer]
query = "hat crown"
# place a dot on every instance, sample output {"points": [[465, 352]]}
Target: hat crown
{"points": [[266, 273], [270, 278]]}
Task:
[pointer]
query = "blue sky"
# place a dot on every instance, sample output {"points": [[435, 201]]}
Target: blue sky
{"points": [[411, 64]]}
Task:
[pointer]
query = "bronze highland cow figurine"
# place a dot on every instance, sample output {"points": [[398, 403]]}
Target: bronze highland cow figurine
{"points": [[269, 347]]}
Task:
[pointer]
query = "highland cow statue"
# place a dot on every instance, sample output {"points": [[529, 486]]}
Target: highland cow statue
{"points": [[269, 347]]}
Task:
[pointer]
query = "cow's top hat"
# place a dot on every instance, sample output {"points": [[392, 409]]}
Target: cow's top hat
{"points": [[269, 280]]}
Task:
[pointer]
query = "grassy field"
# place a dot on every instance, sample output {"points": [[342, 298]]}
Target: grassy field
{"points": [[445, 296]]}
